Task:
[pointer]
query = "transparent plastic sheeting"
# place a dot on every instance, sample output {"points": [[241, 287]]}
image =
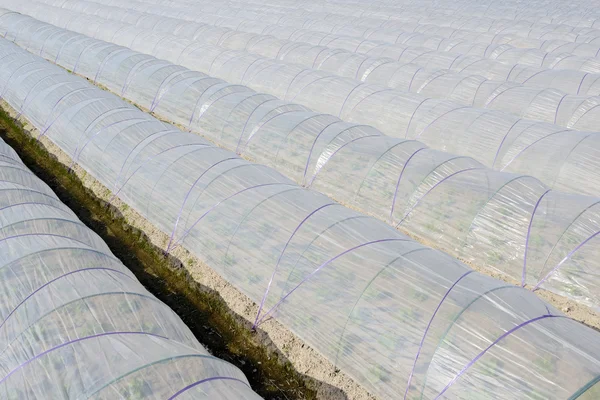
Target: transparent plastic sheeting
{"points": [[402, 319], [499, 17], [75, 323], [575, 13], [431, 38], [566, 160], [541, 104], [418, 19], [496, 62], [510, 17], [509, 223]]}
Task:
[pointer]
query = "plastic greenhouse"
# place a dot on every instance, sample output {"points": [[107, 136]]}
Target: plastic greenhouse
{"points": [[565, 159], [511, 224], [456, 74], [397, 316], [230, 26], [76, 323]]}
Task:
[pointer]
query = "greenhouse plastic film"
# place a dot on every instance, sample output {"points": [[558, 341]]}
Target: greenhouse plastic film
{"points": [[75, 322], [582, 15], [434, 38], [397, 316], [565, 159], [489, 61], [465, 19], [530, 102], [509, 223]]}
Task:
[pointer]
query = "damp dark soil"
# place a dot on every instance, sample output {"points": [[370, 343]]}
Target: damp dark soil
{"points": [[202, 309]]}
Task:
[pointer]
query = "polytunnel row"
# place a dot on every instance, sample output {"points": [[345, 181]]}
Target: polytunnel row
{"points": [[534, 52], [460, 61], [573, 14], [430, 18], [460, 15], [564, 159], [528, 102], [538, 11], [472, 45], [453, 14], [75, 322], [398, 317], [509, 223]]}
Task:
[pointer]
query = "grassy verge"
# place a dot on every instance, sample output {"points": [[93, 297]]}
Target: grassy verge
{"points": [[204, 311]]}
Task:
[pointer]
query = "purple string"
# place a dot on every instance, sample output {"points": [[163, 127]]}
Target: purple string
{"points": [[398, 184], [52, 281], [470, 65], [369, 95], [209, 104], [334, 153], [321, 267], [491, 100], [558, 107], [94, 43], [134, 69], [317, 138], [564, 260], [25, 103], [188, 387], [532, 76], [83, 104], [279, 66], [60, 206], [347, 97], [12, 74], [442, 116], [582, 79], [187, 196], [558, 61], [194, 78], [105, 60], [502, 142], [583, 115], [262, 302], [286, 48], [413, 78], [44, 234], [224, 53], [75, 341], [98, 118], [433, 187], [140, 143], [259, 126], [319, 54], [531, 144], [367, 73], [115, 194], [331, 53], [427, 330], [168, 79], [177, 61], [413, 116], [453, 61], [309, 84], [432, 78], [78, 152], [225, 199], [524, 273], [64, 96], [473, 361]]}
